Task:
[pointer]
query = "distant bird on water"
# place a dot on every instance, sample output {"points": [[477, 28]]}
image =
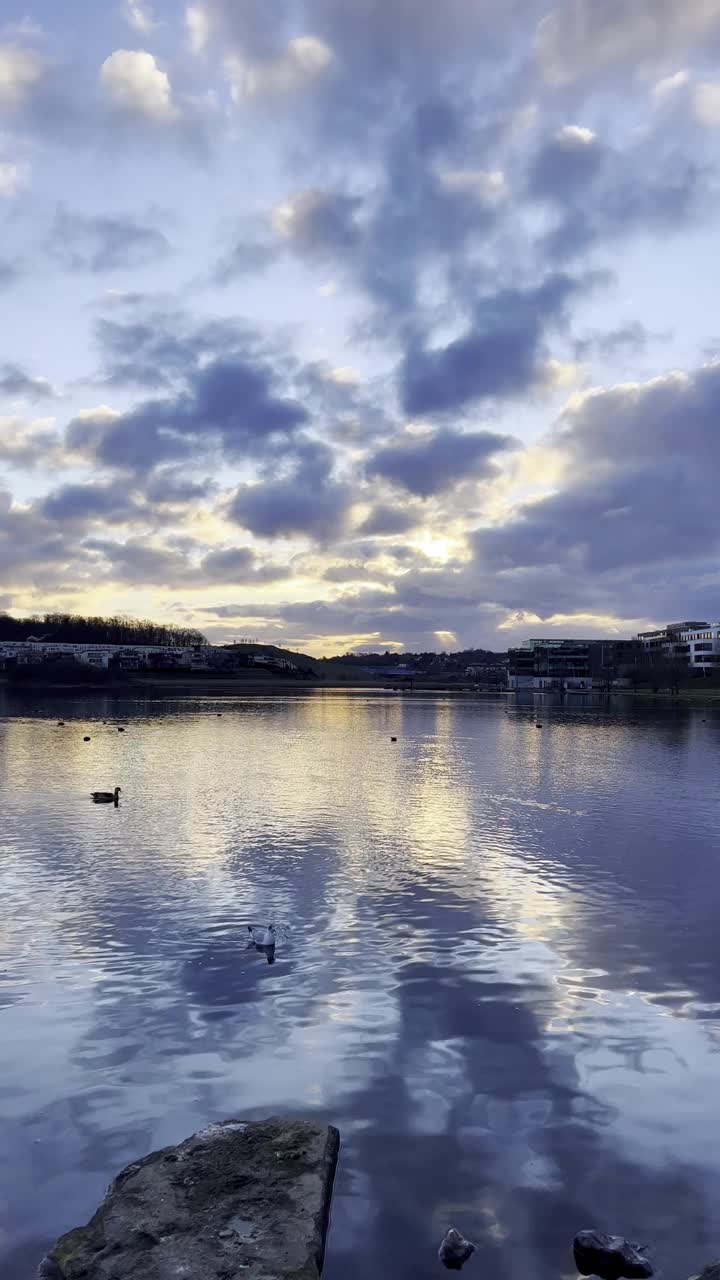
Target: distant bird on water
{"points": [[86, 739], [106, 797], [538, 724], [262, 937], [393, 739], [120, 729]]}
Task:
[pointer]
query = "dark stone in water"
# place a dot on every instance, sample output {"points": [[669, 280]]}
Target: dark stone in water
{"points": [[610, 1257], [455, 1250]]}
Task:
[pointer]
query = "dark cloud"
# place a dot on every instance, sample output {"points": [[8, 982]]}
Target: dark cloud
{"points": [[602, 195], [643, 463], [156, 347], [234, 565], [9, 272], [629, 339], [566, 164], [500, 355], [104, 242], [33, 550], [230, 403], [16, 381], [307, 501], [428, 465], [92, 501], [386, 520]]}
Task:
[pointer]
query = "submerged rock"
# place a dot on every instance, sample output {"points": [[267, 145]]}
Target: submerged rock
{"points": [[610, 1257], [455, 1250], [710, 1272], [235, 1201]]}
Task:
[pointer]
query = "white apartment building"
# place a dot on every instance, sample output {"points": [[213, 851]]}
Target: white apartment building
{"points": [[703, 646], [696, 643]]}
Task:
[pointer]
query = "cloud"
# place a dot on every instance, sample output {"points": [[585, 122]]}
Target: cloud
{"points": [[135, 84], [20, 71], [104, 242], [30, 444], [139, 16], [567, 163], [307, 501], [637, 504], [601, 194], [500, 355], [230, 402], [13, 177], [385, 520], [297, 66], [582, 37], [14, 381], [236, 565], [81, 502], [427, 465], [197, 23], [318, 221], [706, 103]]}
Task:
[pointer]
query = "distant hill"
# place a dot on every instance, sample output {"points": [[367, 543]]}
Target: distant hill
{"points": [[75, 628]]}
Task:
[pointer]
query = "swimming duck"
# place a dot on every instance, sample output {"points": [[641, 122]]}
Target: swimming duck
{"points": [[262, 937], [106, 797]]}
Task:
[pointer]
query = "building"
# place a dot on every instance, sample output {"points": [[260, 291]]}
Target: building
{"points": [[692, 644], [571, 665]]}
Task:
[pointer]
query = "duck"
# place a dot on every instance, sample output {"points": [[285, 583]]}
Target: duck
{"points": [[262, 937], [106, 797], [538, 724]]}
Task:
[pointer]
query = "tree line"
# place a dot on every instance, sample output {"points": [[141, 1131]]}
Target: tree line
{"points": [[75, 628]]}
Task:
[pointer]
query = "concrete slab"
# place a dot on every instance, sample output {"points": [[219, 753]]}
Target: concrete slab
{"points": [[236, 1201]]}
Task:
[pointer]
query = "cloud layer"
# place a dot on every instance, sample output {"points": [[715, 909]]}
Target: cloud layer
{"points": [[378, 317]]}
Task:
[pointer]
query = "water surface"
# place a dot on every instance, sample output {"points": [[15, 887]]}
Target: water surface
{"points": [[498, 970]]}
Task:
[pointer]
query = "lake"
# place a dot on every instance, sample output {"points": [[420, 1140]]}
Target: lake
{"points": [[498, 967]]}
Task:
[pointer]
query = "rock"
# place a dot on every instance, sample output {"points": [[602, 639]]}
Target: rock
{"points": [[233, 1201], [455, 1250], [710, 1272], [610, 1257]]}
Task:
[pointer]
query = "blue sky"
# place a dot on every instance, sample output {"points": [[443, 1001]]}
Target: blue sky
{"points": [[351, 325]]}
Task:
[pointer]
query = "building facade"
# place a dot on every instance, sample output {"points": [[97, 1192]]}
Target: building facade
{"points": [[571, 665], [692, 644]]}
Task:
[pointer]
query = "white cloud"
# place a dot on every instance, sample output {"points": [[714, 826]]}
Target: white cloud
{"points": [[304, 59], [20, 71], [12, 177], [341, 375], [582, 36], [576, 135], [487, 187], [197, 22], [706, 103], [138, 16], [670, 84], [135, 83]]}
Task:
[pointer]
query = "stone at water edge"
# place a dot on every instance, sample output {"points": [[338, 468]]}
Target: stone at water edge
{"points": [[455, 1250], [241, 1201], [710, 1272], [610, 1257]]}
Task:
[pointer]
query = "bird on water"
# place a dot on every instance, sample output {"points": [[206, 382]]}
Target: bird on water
{"points": [[106, 797], [262, 937]]}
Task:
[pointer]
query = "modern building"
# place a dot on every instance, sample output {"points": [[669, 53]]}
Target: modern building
{"points": [[692, 644], [571, 665]]}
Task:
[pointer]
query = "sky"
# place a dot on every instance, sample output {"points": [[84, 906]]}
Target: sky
{"points": [[384, 324]]}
